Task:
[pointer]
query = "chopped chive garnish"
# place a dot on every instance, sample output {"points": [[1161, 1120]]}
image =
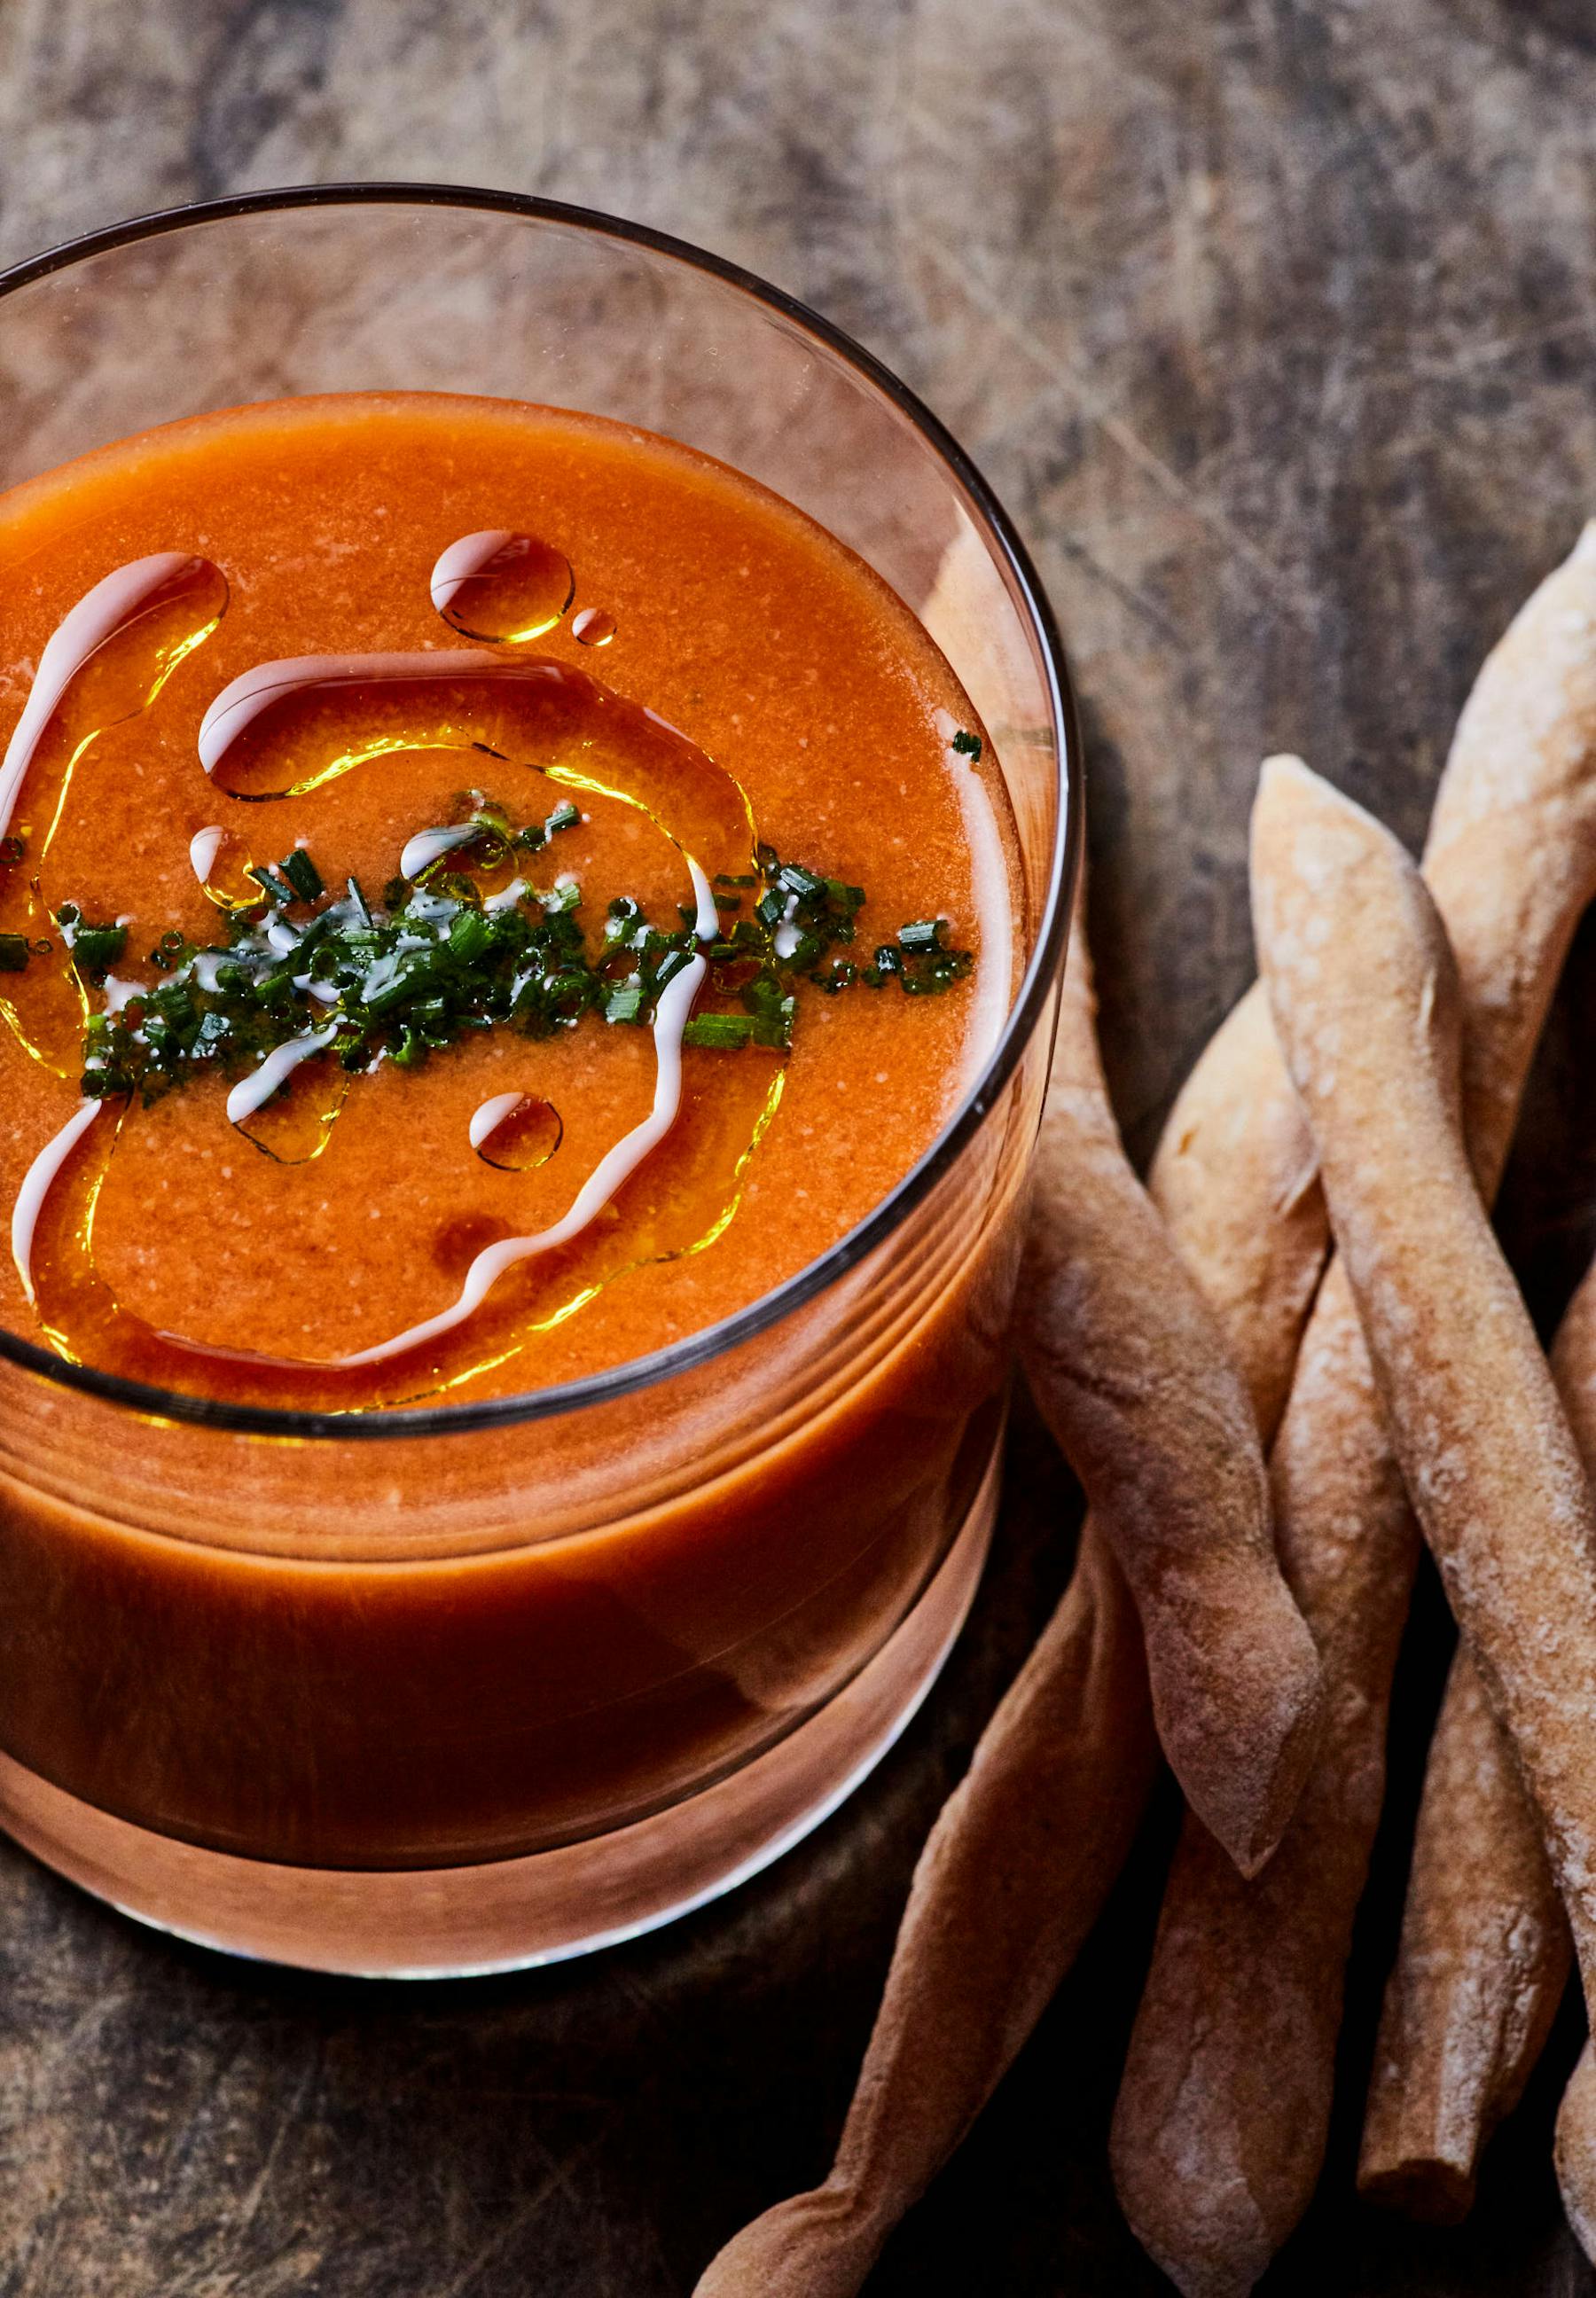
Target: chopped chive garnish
{"points": [[624, 1003], [470, 934], [400, 981], [12, 849], [13, 952], [723, 1033], [275, 889], [967, 745], [303, 874], [537, 834], [94, 948]]}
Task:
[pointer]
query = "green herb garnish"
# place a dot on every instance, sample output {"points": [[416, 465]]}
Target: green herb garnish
{"points": [[275, 889], [537, 834], [13, 952], [625, 1003], [725, 1033], [170, 951], [920, 961], [94, 948], [400, 980], [302, 875], [967, 745]]}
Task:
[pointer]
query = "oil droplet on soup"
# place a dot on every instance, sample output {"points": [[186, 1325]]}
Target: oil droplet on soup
{"points": [[502, 587], [221, 860], [294, 1126], [516, 1132]]}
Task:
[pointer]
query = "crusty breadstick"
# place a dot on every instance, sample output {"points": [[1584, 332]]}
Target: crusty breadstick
{"points": [[1483, 1959], [1372, 1037], [1511, 857], [1021, 1857], [1009, 1881], [1219, 2127], [1485, 1951], [1573, 1366], [1129, 1367], [1574, 1361], [1215, 2163], [1575, 2150], [1237, 1180]]}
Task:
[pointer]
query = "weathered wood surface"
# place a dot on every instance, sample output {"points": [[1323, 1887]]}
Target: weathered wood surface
{"points": [[1273, 320]]}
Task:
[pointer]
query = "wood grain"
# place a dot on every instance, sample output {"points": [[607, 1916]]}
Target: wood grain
{"points": [[1272, 321]]}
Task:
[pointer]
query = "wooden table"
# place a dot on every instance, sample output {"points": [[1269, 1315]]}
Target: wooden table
{"points": [[1273, 321]]}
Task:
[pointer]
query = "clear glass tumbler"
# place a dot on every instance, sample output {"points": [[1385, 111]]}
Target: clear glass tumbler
{"points": [[461, 1689]]}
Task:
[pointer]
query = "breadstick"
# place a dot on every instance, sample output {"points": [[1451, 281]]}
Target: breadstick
{"points": [[1485, 1951], [1236, 1178], [1025, 1851], [1129, 1367], [1464, 2019], [1511, 857], [1219, 2130], [1010, 1882], [1576, 2151], [1213, 2163], [1575, 1364], [1372, 1037], [1479, 1973]]}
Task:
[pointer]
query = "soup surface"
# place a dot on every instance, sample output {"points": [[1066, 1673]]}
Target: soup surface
{"points": [[487, 893]]}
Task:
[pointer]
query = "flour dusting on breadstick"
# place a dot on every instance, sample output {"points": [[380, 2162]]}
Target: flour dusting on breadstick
{"points": [[1219, 2127], [1484, 1952], [1242, 1978], [1511, 858], [1480, 1970], [1371, 1030]]}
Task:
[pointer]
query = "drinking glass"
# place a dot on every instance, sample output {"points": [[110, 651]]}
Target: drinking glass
{"points": [[459, 1689]]}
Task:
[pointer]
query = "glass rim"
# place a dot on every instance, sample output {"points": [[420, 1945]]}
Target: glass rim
{"points": [[807, 1282]]}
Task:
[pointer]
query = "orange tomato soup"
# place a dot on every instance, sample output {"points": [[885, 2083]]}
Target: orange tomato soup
{"points": [[721, 610], [435, 1651]]}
